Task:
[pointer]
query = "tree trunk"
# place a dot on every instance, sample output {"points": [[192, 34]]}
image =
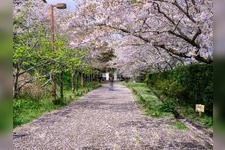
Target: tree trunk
{"points": [[16, 80], [91, 77], [85, 79], [77, 80], [53, 89], [73, 81], [98, 78], [15, 85], [82, 80], [61, 84]]}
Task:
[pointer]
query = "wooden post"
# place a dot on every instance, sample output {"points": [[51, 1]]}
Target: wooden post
{"points": [[53, 88]]}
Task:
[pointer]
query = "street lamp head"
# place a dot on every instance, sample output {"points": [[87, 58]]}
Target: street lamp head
{"points": [[61, 6]]}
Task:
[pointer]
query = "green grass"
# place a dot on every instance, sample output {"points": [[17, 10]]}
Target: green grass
{"points": [[26, 109], [151, 104], [188, 112], [180, 125], [147, 100]]}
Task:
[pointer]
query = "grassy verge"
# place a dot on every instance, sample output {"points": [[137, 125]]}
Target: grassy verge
{"points": [[186, 111], [179, 125], [147, 100], [151, 104], [189, 113], [26, 108]]}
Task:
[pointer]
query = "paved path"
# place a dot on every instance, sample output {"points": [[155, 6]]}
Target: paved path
{"points": [[103, 120]]}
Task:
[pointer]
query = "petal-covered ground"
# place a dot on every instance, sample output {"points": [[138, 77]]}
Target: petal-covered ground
{"points": [[104, 120]]}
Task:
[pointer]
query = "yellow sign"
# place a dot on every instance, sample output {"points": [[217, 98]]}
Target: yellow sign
{"points": [[199, 108]]}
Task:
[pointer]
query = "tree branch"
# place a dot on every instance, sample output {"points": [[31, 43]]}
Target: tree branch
{"points": [[197, 57], [31, 81], [31, 68], [183, 11], [185, 38], [173, 51], [196, 34], [163, 13], [126, 31]]}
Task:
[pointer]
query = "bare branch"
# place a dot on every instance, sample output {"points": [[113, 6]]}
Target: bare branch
{"points": [[185, 38], [197, 34], [173, 51], [183, 11], [178, 24], [32, 80], [126, 31], [163, 13]]}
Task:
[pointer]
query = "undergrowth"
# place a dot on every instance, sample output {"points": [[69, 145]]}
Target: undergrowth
{"points": [[148, 101], [180, 125], [26, 108], [165, 107]]}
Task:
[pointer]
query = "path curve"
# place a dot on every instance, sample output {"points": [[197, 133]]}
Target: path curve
{"points": [[103, 120]]}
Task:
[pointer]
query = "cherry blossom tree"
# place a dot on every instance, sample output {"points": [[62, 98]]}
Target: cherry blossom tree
{"points": [[164, 33], [144, 34], [32, 54]]}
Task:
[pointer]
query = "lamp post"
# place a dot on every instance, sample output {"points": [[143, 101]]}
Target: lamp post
{"points": [[58, 6]]}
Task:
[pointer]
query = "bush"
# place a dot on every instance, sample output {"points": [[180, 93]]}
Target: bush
{"points": [[191, 84], [170, 88], [208, 121], [168, 105]]}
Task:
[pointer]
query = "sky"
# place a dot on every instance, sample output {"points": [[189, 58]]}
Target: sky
{"points": [[71, 5]]}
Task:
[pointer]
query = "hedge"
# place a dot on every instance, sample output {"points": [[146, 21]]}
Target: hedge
{"points": [[190, 84]]}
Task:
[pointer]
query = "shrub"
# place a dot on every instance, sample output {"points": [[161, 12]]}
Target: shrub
{"points": [[191, 84], [170, 88], [168, 105]]}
